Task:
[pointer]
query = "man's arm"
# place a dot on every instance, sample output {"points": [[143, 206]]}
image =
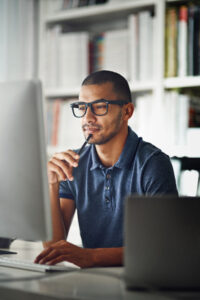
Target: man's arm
{"points": [[60, 168], [62, 215], [103, 257], [82, 257], [158, 176]]}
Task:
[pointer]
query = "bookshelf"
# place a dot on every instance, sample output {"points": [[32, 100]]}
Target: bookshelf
{"points": [[177, 82], [99, 12], [73, 92], [116, 16]]}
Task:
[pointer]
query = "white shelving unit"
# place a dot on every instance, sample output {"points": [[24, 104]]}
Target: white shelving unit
{"points": [[60, 92], [96, 16], [88, 18], [73, 92], [99, 12], [179, 82]]}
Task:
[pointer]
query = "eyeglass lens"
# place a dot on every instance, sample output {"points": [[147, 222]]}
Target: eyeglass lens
{"points": [[99, 109]]}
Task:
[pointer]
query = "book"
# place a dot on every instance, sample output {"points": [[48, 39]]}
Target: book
{"points": [[182, 41], [116, 51], [51, 57], [193, 145], [98, 52], [194, 111], [145, 22], [189, 183], [49, 121], [70, 135], [143, 116], [196, 41], [171, 42], [171, 116], [55, 125], [176, 117], [182, 119], [133, 45], [73, 58], [191, 9]]}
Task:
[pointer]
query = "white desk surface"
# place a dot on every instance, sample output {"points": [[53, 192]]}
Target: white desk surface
{"points": [[95, 283]]}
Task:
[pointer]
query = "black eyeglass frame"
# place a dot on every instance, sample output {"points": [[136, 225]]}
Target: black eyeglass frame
{"points": [[89, 104]]}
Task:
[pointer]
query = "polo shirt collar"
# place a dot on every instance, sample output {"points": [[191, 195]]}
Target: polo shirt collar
{"points": [[126, 156]]}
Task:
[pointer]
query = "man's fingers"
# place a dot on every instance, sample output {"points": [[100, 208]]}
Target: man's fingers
{"points": [[60, 166], [42, 254], [73, 154], [58, 259], [51, 255], [68, 157], [56, 169], [66, 169]]}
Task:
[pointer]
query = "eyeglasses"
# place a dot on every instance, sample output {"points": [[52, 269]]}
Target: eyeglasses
{"points": [[98, 107]]}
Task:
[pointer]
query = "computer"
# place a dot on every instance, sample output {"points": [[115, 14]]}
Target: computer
{"points": [[25, 211], [162, 242], [24, 200]]}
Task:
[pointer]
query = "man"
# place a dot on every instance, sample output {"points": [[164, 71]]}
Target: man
{"points": [[116, 163]]}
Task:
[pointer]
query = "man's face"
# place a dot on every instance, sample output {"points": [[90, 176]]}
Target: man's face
{"points": [[102, 128]]}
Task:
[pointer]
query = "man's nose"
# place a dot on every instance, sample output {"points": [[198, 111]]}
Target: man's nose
{"points": [[89, 115]]}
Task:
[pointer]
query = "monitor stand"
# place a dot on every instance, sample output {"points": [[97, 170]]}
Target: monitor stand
{"points": [[2, 251]]}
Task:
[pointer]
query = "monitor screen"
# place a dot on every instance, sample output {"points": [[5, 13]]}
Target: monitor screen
{"points": [[24, 198]]}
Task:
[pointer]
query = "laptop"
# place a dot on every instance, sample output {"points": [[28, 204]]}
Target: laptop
{"points": [[162, 242]]}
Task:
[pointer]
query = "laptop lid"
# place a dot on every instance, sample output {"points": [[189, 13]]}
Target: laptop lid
{"points": [[162, 242]]}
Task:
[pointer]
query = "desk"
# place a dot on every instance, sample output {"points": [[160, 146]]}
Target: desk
{"points": [[96, 283]]}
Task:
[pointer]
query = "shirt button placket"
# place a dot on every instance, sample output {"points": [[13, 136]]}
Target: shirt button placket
{"points": [[107, 190]]}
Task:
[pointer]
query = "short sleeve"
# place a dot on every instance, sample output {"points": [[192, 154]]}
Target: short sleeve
{"points": [[65, 190], [158, 175]]}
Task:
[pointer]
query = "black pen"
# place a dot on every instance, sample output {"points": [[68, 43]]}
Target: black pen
{"points": [[85, 143]]}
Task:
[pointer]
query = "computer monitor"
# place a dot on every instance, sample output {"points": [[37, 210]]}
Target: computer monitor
{"points": [[24, 199]]}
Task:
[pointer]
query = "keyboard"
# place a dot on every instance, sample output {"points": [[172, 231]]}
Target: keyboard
{"points": [[31, 266]]}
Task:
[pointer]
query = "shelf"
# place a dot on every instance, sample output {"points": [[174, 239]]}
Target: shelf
{"points": [[173, 1], [179, 82], [73, 92], [61, 92], [142, 86], [91, 13]]}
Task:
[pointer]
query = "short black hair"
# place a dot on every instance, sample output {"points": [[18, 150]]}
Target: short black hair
{"points": [[120, 84]]}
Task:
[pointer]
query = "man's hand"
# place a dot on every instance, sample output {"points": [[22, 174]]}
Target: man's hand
{"points": [[61, 165], [64, 251]]}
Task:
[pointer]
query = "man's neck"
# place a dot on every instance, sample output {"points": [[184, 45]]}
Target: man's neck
{"points": [[110, 152]]}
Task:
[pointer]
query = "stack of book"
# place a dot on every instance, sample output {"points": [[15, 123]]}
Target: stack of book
{"points": [[66, 58], [127, 51], [179, 117], [53, 6], [182, 40], [63, 130], [67, 4], [70, 56]]}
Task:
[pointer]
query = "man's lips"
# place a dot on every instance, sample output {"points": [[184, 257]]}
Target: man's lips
{"points": [[91, 129]]}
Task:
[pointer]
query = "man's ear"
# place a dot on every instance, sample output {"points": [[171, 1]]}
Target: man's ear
{"points": [[128, 111]]}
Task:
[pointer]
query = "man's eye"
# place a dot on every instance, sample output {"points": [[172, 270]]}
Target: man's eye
{"points": [[81, 107], [101, 106]]}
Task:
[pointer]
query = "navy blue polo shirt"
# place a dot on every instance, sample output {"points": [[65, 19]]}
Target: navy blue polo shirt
{"points": [[99, 192]]}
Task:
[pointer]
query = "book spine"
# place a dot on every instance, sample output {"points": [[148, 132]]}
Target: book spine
{"points": [[182, 41], [190, 40], [116, 51], [145, 45], [171, 47], [55, 126], [196, 45], [133, 46]]}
